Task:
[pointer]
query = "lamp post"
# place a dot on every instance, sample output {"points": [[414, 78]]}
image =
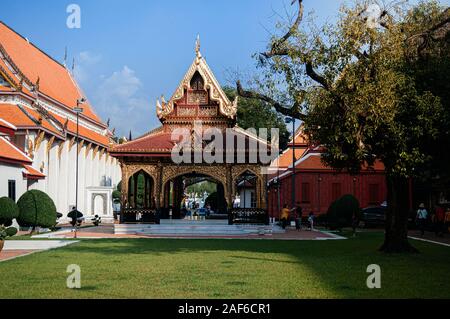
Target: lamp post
{"points": [[292, 120], [77, 110]]}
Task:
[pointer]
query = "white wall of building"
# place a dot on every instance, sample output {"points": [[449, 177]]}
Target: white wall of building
{"points": [[12, 172], [60, 170]]}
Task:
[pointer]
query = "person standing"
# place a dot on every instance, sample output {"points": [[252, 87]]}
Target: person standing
{"points": [[311, 220], [447, 220], [285, 212], [421, 218], [439, 221]]}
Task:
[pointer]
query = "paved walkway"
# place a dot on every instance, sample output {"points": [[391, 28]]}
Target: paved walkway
{"points": [[107, 231], [430, 237], [18, 248]]}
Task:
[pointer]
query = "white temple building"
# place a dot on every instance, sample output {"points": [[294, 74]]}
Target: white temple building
{"points": [[38, 145]]}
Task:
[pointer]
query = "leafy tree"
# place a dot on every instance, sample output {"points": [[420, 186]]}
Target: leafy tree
{"points": [[351, 83], [257, 114], [201, 187], [428, 50], [36, 209]]}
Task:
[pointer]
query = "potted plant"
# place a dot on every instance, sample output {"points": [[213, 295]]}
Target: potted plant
{"points": [[6, 232]]}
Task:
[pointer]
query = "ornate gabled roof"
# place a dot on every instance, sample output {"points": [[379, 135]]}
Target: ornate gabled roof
{"points": [[226, 107]]}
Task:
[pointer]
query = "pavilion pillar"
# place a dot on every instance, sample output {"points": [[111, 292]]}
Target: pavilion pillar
{"points": [[264, 193], [124, 190], [135, 189], [146, 205], [159, 192], [177, 196], [221, 196], [229, 188]]}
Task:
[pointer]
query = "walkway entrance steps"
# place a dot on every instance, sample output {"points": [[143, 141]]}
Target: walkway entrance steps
{"points": [[195, 228]]}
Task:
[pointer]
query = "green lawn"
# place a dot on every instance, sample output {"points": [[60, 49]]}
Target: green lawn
{"points": [[163, 268]]}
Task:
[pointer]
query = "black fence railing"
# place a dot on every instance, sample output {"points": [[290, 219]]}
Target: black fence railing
{"points": [[248, 216], [139, 215]]}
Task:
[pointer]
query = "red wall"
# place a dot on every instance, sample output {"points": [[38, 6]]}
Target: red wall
{"points": [[368, 188]]}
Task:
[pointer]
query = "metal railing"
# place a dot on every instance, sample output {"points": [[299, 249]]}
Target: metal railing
{"points": [[248, 216], [139, 215]]}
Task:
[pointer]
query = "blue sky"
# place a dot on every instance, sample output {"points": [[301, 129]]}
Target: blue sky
{"points": [[128, 53]]}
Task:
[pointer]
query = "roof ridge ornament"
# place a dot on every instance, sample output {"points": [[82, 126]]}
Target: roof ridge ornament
{"points": [[197, 50]]}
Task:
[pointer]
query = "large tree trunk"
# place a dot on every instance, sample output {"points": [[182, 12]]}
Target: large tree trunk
{"points": [[396, 236]]}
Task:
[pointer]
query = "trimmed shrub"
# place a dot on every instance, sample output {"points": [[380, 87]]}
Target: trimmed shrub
{"points": [[8, 211], [7, 232], [340, 213], [116, 194], [36, 209], [11, 231], [321, 220]]}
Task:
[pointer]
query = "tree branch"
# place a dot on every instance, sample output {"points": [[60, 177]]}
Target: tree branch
{"points": [[276, 49], [315, 76], [436, 33], [293, 111]]}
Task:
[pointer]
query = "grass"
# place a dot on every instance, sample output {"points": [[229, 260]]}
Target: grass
{"points": [[164, 268]]}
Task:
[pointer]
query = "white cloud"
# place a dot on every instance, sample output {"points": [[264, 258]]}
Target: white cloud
{"points": [[83, 62], [119, 98], [89, 58]]}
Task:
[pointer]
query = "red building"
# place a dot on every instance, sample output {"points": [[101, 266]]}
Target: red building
{"points": [[316, 185]]}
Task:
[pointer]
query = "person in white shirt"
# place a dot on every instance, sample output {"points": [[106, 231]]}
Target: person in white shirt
{"points": [[421, 218]]}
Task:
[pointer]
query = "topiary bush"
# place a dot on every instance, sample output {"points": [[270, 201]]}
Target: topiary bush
{"points": [[36, 209], [332, 216], [116, 194], [7, 232], [8, 211], [341, 212]]}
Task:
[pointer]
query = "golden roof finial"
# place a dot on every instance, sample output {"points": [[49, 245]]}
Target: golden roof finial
{"points": [[197, 48]]}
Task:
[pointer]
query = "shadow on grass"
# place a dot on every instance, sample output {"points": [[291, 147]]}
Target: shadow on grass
{"points": [[338, 267]]}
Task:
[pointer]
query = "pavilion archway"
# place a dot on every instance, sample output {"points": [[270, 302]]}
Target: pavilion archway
{"points": [[141, 191], [174, 185]]}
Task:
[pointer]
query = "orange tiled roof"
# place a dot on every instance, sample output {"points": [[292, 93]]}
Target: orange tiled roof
{"points": [[55, 80], [4, 68], [156, 142], [160, 141], [14, 115], [83, 131], [313, 161], [285, 159], [32, 173], [10, 153], [6, 124]]}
